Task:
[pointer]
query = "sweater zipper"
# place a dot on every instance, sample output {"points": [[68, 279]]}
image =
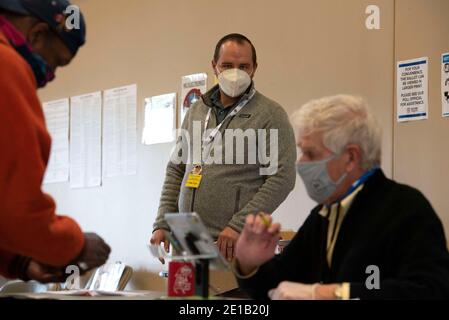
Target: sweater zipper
{"points": [[192, 203]]}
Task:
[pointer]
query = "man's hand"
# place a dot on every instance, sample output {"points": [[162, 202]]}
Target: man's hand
{"points": [[45, 274], [158, 237], [257, 242], [293, 291], [94, 254], [226, 242], [297, 291]]}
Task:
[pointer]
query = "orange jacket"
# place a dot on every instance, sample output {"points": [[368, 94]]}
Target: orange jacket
{"points": [[28, 223]]}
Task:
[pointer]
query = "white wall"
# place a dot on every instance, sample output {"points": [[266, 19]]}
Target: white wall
{"points": [[306, 49]]}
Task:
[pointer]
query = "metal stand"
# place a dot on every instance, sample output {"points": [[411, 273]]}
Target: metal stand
{"points": [[202, 278]]}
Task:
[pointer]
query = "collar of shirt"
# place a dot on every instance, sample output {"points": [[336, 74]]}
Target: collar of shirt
{"points": [[345, 203], [219, 109], [335, 219], [215, 98]]}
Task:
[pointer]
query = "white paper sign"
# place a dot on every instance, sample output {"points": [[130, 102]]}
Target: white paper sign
{"points": [[159, 119], [412, 90], [57, 120], [120, 131], [193, 87], [85, 140], [445, 83]]}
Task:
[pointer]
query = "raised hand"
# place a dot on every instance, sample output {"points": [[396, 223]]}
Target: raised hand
{"points": [[257, 243]]}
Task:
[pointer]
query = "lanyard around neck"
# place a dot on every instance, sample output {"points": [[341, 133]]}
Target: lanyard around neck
{"points": [[357, 184], [361, 181], [207, 141], [354, 187]]}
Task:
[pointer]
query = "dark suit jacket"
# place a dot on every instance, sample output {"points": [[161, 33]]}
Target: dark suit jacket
{"points": [[389, 225]]}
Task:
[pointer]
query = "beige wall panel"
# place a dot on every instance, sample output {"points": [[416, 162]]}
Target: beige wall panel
{"points": [[422, 147], [306, 48]]}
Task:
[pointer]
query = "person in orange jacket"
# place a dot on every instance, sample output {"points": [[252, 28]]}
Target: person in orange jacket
{"points": [[35, 243]]}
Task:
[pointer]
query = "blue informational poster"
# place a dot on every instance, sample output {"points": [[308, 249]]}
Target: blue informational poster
{"points": [[445, 84]]}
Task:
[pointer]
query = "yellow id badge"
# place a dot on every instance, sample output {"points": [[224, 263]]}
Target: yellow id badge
{"points": [[194, 181], [195, 177]]}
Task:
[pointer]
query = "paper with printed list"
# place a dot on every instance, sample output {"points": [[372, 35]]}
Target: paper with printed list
{"points": [[120, 131], [85, 140], [57, 120]]}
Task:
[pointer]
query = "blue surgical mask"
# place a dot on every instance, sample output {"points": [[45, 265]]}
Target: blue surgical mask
{"points": [[317, 181]]}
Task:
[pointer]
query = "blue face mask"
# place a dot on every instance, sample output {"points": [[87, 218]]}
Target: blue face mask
{"points": [[317, 181], [41, 69]]}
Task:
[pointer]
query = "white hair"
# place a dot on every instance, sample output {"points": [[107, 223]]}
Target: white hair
{"points": [[342, 120]]}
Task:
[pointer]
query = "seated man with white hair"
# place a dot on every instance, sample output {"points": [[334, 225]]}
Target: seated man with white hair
{"points": [[369, 237]]}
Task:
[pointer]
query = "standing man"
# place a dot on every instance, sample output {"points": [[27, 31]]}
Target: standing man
{"points": [[35, 243], [229, 190]]}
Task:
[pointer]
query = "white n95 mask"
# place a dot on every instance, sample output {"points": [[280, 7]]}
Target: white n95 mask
{"points": [[234, 82]]}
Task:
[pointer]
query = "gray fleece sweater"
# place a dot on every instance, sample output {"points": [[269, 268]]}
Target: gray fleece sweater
{"points": [[228, 192]]}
